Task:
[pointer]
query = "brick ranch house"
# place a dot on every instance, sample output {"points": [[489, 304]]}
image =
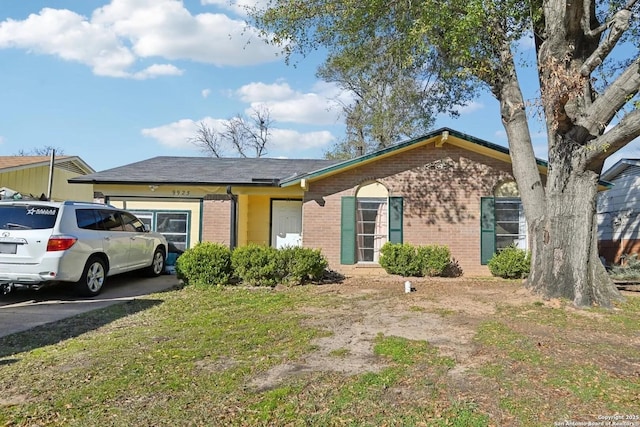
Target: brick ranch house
{"points": [[445, 188]]}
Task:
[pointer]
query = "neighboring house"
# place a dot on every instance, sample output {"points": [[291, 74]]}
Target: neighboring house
{"points": [[619, 211], [30, 176], [442, 188]]}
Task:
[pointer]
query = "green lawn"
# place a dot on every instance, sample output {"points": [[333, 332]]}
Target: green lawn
{"points": [[192, 357]]}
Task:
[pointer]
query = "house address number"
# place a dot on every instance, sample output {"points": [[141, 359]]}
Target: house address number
{"points": [[181, 192]]}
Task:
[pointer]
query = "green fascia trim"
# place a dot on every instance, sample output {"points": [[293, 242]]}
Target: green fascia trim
{"points": [[402, 145], [396, 147], [358, 160]]}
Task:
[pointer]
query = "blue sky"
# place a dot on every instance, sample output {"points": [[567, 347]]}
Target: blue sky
{"points": [[118, 81]]}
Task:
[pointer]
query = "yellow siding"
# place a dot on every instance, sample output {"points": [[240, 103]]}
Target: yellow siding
{"points": [[243, 220], [155, 191], [253, 204], [161, 205], [258, 220], [190, 191], [35, 181]]}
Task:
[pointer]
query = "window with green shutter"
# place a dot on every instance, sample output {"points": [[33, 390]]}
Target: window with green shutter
{"points": [[365, 224], [395, 219], [348, 230], [487, 229]]}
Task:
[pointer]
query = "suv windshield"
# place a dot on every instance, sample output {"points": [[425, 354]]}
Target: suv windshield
{"points": [[27, 217]]}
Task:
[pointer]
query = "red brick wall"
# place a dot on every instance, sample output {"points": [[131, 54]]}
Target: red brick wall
{"points": [[216, 221], [612, 250], [441, 188]]}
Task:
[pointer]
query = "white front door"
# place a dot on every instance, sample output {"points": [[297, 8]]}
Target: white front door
{"points": [[286, 223]]}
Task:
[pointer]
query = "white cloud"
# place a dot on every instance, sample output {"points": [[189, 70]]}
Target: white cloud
{"points": [[71, 37], [263, 92], [167, 29], [285, 105], [121, 33], [288, 106], [1, 140], [291, 141], [157, 70], [177, 135], [205, 93]]}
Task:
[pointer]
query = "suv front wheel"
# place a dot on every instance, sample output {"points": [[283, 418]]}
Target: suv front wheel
{"points": [[157, 264], [93, 275]]}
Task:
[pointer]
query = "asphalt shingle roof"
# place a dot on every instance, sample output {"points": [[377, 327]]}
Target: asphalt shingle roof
{"points": [[206, 170]]}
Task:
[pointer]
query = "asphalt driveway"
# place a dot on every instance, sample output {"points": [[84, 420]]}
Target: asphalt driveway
{"points": [[22, 310]]}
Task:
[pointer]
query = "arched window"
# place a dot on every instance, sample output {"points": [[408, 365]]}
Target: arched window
{"points": [[372, 218], [368, 220]]}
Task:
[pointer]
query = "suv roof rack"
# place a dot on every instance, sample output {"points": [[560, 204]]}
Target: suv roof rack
{"points": [[77, 203]]}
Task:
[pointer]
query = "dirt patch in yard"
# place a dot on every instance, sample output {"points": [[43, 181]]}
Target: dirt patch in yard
{"points": [[443, 312], [501, 337]]}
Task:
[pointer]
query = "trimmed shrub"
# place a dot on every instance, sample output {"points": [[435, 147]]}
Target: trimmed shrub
{"points": [[434, 259], [206, 264], [257, 265], [510, 263], [401, 259], [406, 260], [302, 265]]}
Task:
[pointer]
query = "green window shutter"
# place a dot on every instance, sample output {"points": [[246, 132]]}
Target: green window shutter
{"points": [[395, 219], [487, 229], [348, 231]]}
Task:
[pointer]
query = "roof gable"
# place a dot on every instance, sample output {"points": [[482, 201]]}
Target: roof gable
{"points": [[70, 163], [438, 137]]}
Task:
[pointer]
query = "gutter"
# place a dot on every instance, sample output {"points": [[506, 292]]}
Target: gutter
{"points": [[233, 237]]}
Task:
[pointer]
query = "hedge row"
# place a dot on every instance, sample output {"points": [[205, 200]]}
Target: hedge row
{"points": [[215, 264], [407, 260]]}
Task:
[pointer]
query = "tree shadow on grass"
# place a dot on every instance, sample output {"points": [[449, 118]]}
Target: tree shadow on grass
{"points": [[71, 327]]}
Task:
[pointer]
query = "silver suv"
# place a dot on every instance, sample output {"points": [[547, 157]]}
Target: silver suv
{"points": [[42, 243]]}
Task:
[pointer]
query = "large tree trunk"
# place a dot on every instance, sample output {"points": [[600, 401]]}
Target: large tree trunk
{"points": [[564, 238], [564, 241], [561, 214]]}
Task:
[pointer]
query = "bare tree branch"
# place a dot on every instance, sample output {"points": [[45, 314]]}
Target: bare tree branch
{"points": [[234, 134], [239, 134], [40, 151], [208, 140], [617, 27], [619, 93], [616, 138], [258, 130]]}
